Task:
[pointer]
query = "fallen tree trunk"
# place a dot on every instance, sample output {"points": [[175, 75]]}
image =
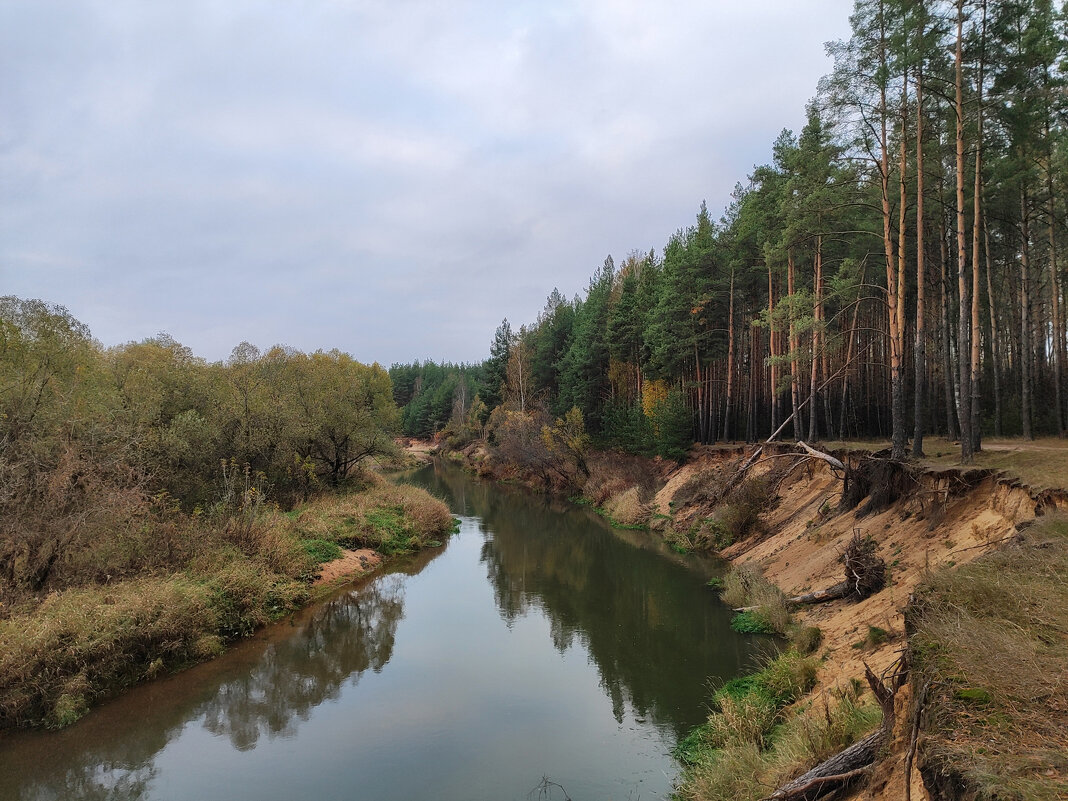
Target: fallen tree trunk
{"points": [[840, 590], [844, 767], [848, 765], [835, 463]]}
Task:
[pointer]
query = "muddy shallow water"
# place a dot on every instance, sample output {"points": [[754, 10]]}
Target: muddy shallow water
{"points": [[537, 643]]}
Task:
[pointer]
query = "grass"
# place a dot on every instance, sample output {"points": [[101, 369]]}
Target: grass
{"points": [[746, 709], [751, 621], [1040, 464], [321, 551], [873, 639], [754, 739], [991, 644], [391, 518], [746, 586], [720, 522], [806, 639], [221, 580]]}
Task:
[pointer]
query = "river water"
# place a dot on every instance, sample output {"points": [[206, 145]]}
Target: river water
{"points": [[539, 651]]}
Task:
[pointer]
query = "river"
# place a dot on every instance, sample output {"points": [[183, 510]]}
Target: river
{"points": [[538, 651]]}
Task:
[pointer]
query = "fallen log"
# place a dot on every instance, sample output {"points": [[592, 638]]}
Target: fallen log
{"points": [[832, 774], [848, 765], [832, 461], [840, 590]]}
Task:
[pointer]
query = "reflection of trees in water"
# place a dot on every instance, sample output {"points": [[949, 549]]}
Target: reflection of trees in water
{"points": [[351, 634], [649, 626], [344, 638], [100, 784]]}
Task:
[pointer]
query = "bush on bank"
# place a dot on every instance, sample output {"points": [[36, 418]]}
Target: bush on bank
{"points": [[76, 646]]}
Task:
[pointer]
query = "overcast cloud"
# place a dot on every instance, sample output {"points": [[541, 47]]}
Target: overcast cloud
{"points": [[387, 178]]}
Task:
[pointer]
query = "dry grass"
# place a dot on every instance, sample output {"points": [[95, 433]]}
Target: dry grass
{"points": [[81, 643], [746, 586], [613, 474], [209, 582], [390, 518], [1040, 464], [992, 643], [627, 508], [753, 741]]}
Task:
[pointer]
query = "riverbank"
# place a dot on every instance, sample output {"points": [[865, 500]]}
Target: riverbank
{"points": [[791, 520], [222, 580], [922, 521]]}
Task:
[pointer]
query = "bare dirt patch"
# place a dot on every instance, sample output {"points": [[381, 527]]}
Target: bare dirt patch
{"points": [[351, 564]]}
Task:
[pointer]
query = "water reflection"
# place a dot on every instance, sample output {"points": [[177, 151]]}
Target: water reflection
{"points": [[266, 689], [647, 623], [539, 642], [354, 633]]}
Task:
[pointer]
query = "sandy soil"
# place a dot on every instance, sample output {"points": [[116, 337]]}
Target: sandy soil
{"points": [[350, 565], [940, 524], [417, 448]]}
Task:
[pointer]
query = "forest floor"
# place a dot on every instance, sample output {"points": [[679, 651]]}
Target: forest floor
{"points": [[1039, 463]]}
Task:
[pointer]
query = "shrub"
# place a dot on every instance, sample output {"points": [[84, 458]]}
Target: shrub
{"points": [[740, 514]]}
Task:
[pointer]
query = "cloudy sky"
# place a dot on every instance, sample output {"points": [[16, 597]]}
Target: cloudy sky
{"points": [[389, 177]]}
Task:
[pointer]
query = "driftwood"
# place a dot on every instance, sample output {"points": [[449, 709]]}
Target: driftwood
{"points": [[840, 590]]}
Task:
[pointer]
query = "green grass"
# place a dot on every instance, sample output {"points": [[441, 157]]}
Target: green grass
{"points": [[321, 551], [746, 586], [752, 622], [873, 639], [746, 709], [392, 519]]}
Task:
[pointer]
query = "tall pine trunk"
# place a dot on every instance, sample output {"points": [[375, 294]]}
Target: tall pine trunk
{"points": [[964, 415], [730, 365], [921, 281], [976, 369], [795, 389], [947, 324], [1026, 350], [995, 346]]}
